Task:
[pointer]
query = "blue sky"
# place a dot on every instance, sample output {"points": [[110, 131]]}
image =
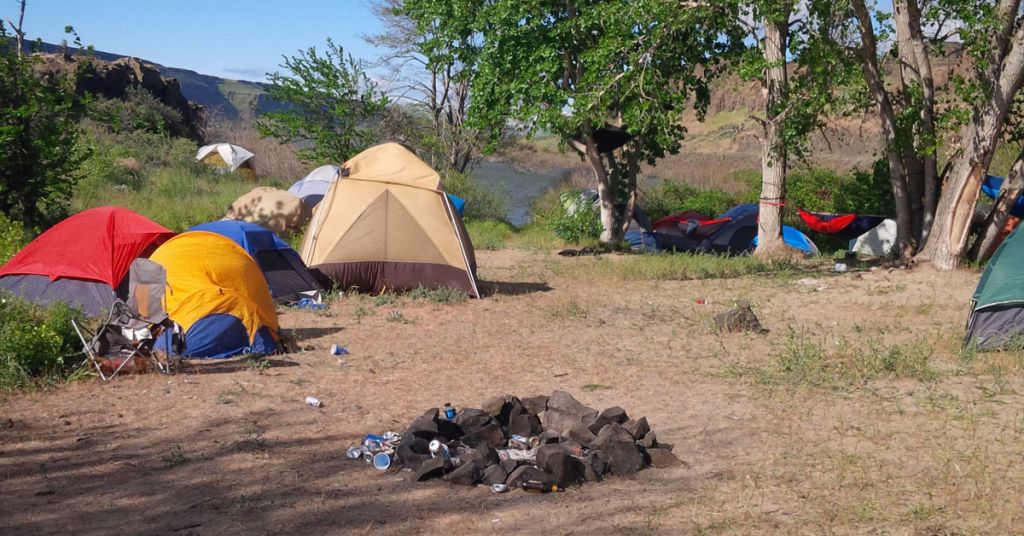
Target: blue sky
{"points": [[228, 38]]}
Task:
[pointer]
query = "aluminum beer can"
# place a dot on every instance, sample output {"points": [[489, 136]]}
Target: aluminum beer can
{"points": [[354, 452], [314, 402]]}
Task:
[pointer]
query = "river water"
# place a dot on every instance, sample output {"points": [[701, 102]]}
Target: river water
{"points": [[516, 186]]}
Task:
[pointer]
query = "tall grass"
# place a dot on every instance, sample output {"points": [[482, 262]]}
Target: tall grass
{"points": [[157, 176], [676, 266]]}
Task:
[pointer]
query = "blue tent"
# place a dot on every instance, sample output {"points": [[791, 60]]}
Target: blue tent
{"points": [[991, 188], [282, 267]]}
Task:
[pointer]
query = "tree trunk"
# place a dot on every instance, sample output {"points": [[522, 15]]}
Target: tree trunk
{"points": [[984, 245], [773, 148], [912, 160], [610, 232], [868, 55], [927, 138], [947, 243]]}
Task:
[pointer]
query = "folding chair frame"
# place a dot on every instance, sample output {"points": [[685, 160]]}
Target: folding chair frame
{"points": [[90, 342]]}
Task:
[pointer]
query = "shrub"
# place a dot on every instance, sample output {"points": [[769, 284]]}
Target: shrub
{"points": [[12, 238], [480, 204], [35, 341], [139, 111], [489, 234], [577, 221], [669, 197]]}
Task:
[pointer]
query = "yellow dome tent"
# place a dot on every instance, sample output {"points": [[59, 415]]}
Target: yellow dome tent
{"points": [[218, 295], [387, 224]]}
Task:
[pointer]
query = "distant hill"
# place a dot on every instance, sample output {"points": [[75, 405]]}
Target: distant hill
{"points": [[223, 98]]}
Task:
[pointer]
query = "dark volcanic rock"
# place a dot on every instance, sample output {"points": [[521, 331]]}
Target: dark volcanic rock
{"points": [[526, 473], [468, 474], [413, 451], [494, 474], [472, 419], [638, 428], [593, 468], [581, 434], [535, 404], [484, 454], [525, 424], [431, 468], [564, 412], [739, 318], [663, 458], [623, 454], [491, 435], [564, 468], [424, 426], [493, 406], [650, 440]]}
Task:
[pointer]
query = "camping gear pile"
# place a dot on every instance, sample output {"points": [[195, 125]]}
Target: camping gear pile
{"points": [[540, 443]]}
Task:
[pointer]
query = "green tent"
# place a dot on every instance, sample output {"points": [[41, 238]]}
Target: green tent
{"points": [[997, 308]]}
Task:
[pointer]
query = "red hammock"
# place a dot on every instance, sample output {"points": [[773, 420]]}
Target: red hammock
{"points": [[827, 225]]}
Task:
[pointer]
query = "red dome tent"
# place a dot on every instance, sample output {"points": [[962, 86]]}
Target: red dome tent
{"points": [[82, 260]]}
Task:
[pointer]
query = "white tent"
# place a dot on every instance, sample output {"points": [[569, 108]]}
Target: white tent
{"points": [[232, 156], [877, 242], [313, 186]]}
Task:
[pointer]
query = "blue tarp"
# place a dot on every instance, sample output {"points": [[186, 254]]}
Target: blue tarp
{"points": [[991, 188], [457, 202]]}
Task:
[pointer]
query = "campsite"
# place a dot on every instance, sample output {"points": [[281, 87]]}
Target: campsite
{"points": [[488, 267]]}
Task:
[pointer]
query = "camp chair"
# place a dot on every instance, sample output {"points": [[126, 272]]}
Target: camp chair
{"points": [[131, 326]]}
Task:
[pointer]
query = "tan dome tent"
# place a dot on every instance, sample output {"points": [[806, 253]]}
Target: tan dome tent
{"points": [[228, 157], [274, 209], [389, 225]]}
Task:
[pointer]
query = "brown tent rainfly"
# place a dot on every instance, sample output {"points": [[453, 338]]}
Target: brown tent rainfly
{"points": [[387, 224]]}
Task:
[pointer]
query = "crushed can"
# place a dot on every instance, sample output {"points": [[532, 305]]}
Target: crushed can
{"points": [[338, 350], [314, 402], [499, 488], [354, 452], [438, 449]]}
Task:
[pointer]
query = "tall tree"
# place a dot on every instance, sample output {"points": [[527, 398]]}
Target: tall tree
{"points": [[330, 103], [994, 37], [611, 79], [429, 74], [800, 61]]}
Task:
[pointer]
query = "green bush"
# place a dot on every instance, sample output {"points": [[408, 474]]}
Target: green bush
{"points": [[489, 234], [35, 341], [669, 197], [480, 204], [577, 222], [139, 111], [12, 238]]}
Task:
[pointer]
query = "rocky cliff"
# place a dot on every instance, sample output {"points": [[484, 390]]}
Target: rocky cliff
{"points": [[113, 79]]}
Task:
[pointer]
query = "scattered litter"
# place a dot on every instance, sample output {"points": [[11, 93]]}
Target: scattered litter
{"points": [[314, 402], [540, 444], [702, 301], [311, 304], [841, 267], [339, 350]]}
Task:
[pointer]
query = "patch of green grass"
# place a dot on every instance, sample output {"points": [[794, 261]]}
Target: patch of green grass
{"points": [[591, 387], [441, 295], [175, 457], [535, 236], [489, 234], [362, 312], [673, 266], [804, 359], [227, 396], [385, 298], [922, 511], [570, 309], [398, 318], [259, 364]]}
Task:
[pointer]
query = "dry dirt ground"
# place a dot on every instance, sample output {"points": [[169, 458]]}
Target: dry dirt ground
{"points": [[230, 448]]}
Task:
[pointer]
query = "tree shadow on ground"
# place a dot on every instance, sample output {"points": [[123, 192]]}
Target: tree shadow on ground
{"points": [[510, 288], [225, 366], [301, 334]]}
